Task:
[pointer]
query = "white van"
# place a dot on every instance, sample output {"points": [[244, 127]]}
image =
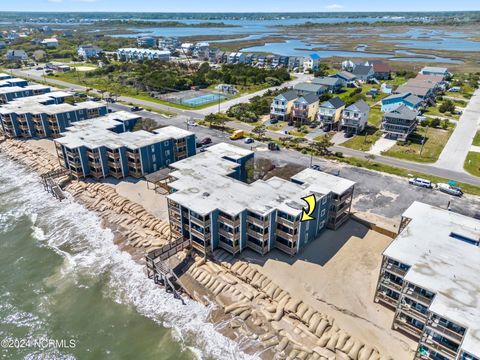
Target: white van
{"points": [[421, 182]]}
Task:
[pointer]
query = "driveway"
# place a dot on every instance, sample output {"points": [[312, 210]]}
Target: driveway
{"points": [[454, 153]]}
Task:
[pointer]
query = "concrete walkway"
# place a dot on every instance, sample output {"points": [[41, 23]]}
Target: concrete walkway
{"points": [[458, 146], [381, 145]]}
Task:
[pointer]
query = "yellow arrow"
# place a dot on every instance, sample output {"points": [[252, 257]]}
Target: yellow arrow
{"points": [[312, 203]]}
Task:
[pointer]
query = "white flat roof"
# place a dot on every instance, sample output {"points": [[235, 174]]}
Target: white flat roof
{"points": [[95, 133], [203, 185], [444, 265]]}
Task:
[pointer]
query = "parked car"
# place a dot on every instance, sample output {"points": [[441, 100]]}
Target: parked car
{"points": [[273, 121], [248, 140], [192, 123], [290, 123], [316, 167], [348, 134], [110, 100], [136, 108], [95, 99], [421, 182], [205, 141], [450, 189], [273, 146]]}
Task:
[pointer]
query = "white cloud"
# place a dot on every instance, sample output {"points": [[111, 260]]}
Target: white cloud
{"points": [[334, 6], [55, 1]]}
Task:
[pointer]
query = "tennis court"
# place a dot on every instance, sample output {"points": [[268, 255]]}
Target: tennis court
{"points": [[193, 98]]}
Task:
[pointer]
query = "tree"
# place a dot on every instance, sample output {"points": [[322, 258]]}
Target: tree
{"points": [[447, 106], [260, 130], [321, 147], [215, 120]]}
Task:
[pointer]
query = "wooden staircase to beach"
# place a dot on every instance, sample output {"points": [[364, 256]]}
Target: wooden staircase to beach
{"points": [[50, 184]]}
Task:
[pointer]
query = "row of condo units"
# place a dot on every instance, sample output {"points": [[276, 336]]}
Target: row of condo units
{"points": [[46, 115], [211, 205], [430, 277], [140, 54], [106, 146]]}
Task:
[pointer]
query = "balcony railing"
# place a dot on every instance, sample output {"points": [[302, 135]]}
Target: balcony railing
{"points": [[416, 296], [405, 326], [257, 248], [286, 249], [255, 221], [413, 312], [285, 235], [231, 249], [386, 299], [390, 284], [228, 221], [441, 330], [442, 349], [395, 270]]}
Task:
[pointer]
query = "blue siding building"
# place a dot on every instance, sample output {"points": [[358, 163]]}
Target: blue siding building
{"points": [[45, 116], [211, 204], [394, 101], [11, 93], [105, 146]]}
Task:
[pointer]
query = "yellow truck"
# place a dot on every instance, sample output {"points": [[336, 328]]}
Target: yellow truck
{"points": [[237, 134]]}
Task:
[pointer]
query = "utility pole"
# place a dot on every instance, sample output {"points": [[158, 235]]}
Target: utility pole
{"points": [[424, 140], [219, 99]]}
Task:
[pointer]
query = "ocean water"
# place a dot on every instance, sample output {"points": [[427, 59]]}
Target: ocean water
{"points": [[63, 279]]}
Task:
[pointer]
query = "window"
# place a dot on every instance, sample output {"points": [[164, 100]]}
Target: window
{"points": [[322, 214], [324, 200]]}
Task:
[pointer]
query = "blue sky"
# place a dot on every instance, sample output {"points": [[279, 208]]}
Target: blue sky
{"points": [[237, 6]]}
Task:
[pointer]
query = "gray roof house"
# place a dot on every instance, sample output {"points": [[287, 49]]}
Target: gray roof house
{"points": [[346, 77], [363, 72], [305, 88], [355, 117], [332, 83], [15, 55], [282, 105], [399, 123], [330, 112]]}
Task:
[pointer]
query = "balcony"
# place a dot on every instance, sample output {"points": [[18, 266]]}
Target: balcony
{"points": [[402, 323], [285, 235], [417, 297], [287, 222], [386, 299], [231, 249], [198, 246], [228, 221], [286, 249], [257, 248], [441, 349], [391, 285], [395, 270], [413, 312], [443, 331], [255, 221], [228, 235], [257, 235], [199, 234]]}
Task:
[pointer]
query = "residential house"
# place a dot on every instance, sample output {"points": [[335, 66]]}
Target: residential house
{"points": [[260, 216], [348, 65], [13, 81], [11, 93], [295, 63], [435, 70], [88, 51], [363, 72], [16, 55], [146, 41], [424, 89], [311, 63], [282, 105], [386, 88], [306, 88], [330, 113], [3, 44], [430, 305], [226, 88], [399, 123], [215, 55], [169, 43], [347, 78], [393, 101], [382, 70], [355, 117], [105, 146], [305, 108], [333, 84], [201, 50], [50, 43]]}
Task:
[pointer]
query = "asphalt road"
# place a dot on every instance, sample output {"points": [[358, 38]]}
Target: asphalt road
{"points": [[377, 193]]}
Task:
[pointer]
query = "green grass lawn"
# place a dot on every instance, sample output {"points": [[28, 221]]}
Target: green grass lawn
{"points": [[362, 142], [476, 139], [433, 110], [410, 150], [276, 127], [375, 116], [472, 163]]}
